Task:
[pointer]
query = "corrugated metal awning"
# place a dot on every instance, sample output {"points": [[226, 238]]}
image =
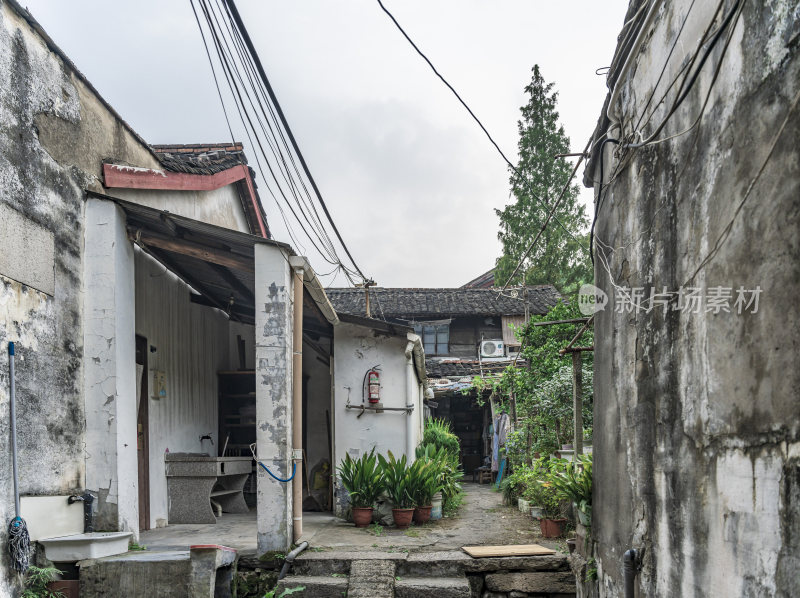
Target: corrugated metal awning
{"points": [[218, 263]]}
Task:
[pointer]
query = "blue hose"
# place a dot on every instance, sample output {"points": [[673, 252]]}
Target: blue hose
{"points": [[289, 479]]}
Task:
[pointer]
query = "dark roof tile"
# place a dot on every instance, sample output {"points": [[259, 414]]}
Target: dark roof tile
{"points": [[449, 302]]}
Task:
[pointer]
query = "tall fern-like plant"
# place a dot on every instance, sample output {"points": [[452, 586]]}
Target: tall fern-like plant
{"points": [[363, 479], [399, 485]]}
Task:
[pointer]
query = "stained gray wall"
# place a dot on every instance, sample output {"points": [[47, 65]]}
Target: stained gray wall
{"points": [[54, 134], [697, 415]]}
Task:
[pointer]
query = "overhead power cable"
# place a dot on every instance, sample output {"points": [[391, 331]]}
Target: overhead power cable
{"points": [[276, 152], [231, 5], [480, 124]]}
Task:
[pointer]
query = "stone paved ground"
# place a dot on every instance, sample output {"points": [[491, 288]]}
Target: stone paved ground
{"points": [[482, 520]]}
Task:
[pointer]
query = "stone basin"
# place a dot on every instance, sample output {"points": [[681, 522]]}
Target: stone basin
{"points": [[93, 545]]}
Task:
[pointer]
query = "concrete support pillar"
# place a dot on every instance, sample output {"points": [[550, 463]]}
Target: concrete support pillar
{"points": [[109, 367], [273, 342]]}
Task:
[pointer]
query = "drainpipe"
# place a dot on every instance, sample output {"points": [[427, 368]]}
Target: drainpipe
{"points": [[629, 571], [297, 404], [410, 384]]}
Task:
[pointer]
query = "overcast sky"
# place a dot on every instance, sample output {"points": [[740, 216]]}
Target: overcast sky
{"points": [[409, 178]]}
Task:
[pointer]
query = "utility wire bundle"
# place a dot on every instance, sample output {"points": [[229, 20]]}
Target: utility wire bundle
{"points": [[280, 162]]}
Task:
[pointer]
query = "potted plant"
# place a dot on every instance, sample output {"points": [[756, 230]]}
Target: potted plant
{"points": [[363, 479], [552, 522], [398, 487], [573, 482], [424, 474]]}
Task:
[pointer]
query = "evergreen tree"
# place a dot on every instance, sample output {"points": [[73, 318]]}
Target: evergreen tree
{"points": [[557, 258]]}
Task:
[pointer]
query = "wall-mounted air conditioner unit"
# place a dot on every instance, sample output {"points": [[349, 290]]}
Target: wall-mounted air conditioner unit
{"points": [[492, 349]]}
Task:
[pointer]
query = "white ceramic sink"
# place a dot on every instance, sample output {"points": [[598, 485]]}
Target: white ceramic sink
{"points": [[77, 547]]}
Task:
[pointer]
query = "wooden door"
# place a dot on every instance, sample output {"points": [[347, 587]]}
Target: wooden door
{"points": [[142, 435]]}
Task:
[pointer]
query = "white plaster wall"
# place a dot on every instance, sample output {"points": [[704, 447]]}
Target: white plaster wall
{"points": [[221, 207], [356, 350], [191, 347], [109, 366]]}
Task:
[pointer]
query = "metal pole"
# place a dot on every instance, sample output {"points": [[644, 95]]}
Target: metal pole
{"points": [[577, 402], [13, 401], [297, 405]]}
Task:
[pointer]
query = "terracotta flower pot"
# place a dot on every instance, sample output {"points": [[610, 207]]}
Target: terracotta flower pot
{"points": [[68, 587], [552, 528], [422, 514], [362, 516], [402, 517]]}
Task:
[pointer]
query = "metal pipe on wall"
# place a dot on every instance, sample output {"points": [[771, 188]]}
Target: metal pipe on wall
{"points": [[410, 384], [297, 403], [629, 571]]}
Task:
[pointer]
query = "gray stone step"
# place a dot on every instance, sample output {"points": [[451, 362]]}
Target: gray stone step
{"points": [[429, 587], [446, 563], [371, 579], [315, 586], [542, 582], [329, 562]]}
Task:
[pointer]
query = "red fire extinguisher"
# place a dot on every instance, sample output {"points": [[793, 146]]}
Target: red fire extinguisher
{"points": [[374, 394]]}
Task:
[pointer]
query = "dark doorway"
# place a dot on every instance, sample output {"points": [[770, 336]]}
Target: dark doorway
{"points": [[142, 434]]}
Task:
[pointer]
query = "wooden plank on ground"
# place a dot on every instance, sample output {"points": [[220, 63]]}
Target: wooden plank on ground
{"points": [[509, 550]]}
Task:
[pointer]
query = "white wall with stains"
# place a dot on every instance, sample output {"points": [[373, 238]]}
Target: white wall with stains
{"points": [[191, 345], [221, 207], [358, 349]]}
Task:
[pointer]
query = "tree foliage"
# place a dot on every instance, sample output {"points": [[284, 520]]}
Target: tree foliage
{"points": [[557, 258], [543, 390]]}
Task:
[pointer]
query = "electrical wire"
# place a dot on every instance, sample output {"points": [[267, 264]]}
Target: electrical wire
{"points": [[513, 168], [274, 100], [267, 131]]}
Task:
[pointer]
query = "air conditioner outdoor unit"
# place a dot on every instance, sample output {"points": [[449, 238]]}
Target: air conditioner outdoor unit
{"points": [[492, 349]]}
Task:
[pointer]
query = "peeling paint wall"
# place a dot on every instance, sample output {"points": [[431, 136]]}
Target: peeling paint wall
{"points": [[273, 334], [191, 343], [697, 419], [356, 350]]}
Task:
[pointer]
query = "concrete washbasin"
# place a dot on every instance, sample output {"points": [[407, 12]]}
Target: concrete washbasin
{"points": [[92, 545]]}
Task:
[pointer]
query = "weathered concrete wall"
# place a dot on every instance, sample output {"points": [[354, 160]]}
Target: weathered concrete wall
{"points": [[54, 134], [191, 344], [221, 207], [357, 349], [697, 420], [274, 319]]}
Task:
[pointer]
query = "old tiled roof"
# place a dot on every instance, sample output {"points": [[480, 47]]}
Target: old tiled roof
{"points": [[208, 159], [464, 368], [434, 303], [200, 158]]}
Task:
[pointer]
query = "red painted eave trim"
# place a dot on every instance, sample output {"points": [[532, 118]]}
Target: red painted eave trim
{"points": [[143, 178], [124, 177]]}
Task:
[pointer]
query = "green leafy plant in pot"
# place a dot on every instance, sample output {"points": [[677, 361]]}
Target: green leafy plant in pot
{"points": [[399, 487], [553, 522], [573, 482], [425, 482], [363, 479]]}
